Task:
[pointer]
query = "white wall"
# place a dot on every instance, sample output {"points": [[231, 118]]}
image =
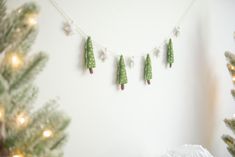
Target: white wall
{"points": [[185, 104]]}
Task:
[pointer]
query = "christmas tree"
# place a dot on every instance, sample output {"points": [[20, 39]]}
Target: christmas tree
{"points": [[89, 55], [25, 131], [147, 69], [230, 122], [121, 73], [170, 53]]}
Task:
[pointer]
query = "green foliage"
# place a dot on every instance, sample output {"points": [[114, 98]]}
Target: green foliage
{"points": [[89, 55], [230, 57], [229, 140], [2, 10], [15, 27], [170, 53], [29, 72], [230, 123], [147, 69], [18, 93], [121, 73]]}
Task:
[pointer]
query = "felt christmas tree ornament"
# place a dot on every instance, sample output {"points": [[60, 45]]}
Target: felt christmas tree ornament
{"points": [[170, 53], [89, 55], [147, 69], [121, 73]]}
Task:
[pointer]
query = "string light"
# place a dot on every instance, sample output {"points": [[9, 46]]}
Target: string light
{"points": [[1, 113], [47, 133], [22, 119], [17, 153], [231, 67], [15, 60], [31, 19], [233, 78]]}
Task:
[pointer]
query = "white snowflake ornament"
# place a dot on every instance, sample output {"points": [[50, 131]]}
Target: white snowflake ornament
{"points": [[131, 62], [68, 28], [176, 31], [157, 52], [103, 55]]}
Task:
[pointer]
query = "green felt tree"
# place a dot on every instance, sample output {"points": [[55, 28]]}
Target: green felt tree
{"points": [[230, 122], [89, 55], [170, 53], [121, 73], [147, 69]]}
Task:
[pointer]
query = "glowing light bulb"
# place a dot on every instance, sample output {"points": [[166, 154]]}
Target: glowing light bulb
{"points": [[17, 155], [1, 113], [47, 133], [32, 19], [22, 119], [233, 78], [15, 60], [231, 67]]}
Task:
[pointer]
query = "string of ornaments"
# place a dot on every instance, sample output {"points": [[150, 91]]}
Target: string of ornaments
{"points": [[70, 28]]}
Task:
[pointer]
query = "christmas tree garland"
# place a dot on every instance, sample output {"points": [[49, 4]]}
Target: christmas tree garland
{"points": [[70, 28]]}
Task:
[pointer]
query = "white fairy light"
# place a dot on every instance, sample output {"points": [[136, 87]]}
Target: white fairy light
{"points": [[47, 133], [17, 155], [32, 19], [233, 78], [1, 113], [22, 119], [15, 60]]}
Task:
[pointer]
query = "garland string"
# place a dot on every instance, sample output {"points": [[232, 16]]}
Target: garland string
{"points": [[78, 29]]}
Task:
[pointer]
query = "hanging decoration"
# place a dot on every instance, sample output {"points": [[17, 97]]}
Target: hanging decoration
{"points": [[121, 73], [131, 62], [67, 28], [170, 53], [103, 55], [147, 69], [176, 31], [89, 55], [70, 27], [157, 52]]}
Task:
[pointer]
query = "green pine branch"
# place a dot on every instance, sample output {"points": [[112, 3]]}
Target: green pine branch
{"points": [[14, 27], [230, 57], [230, 123], [2, 10], [35, 65]]}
